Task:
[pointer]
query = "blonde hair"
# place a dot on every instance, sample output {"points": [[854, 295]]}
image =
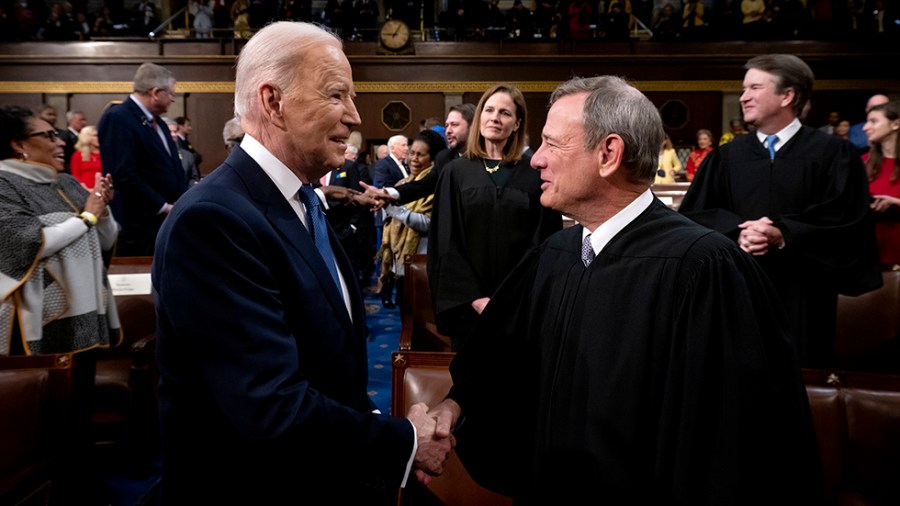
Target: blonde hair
{"points": [[84, 142]]}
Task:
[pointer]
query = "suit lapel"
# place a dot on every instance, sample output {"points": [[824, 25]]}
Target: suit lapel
{"points": [[283, 218]]}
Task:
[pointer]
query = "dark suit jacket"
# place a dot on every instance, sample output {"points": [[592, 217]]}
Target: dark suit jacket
{"points": [[263, 375], [145, 175], [386, 173], [421, 188], [184, 143]]}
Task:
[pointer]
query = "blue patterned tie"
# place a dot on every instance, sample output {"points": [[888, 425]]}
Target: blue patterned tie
{"points": [[587, 251], [318, 229], [770, 142]]}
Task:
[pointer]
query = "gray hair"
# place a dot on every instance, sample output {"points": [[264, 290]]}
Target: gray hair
{"points": [[615, 107], [151, 75], [71, 114], [272, 56], [232, 133], [395, 139], [351, 149]]}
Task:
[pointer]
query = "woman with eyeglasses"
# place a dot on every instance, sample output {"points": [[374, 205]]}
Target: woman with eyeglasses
{"points": [[56, 297], [487, 213]]}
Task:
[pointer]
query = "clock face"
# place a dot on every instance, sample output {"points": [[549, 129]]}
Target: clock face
{"points": [[394, 34]]}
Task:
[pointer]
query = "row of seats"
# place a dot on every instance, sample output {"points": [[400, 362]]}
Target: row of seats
{"points": [[856, 414]]}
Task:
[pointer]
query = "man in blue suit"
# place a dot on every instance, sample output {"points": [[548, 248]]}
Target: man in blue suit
{"points": [[261, 327], [143, 159]]}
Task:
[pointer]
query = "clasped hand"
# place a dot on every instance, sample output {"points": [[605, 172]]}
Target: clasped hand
{"points": [[758, 235], [375, 197], [434, 438]]}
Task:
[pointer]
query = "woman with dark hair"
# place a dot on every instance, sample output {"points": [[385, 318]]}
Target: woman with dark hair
{"points": [[881, 128], [407, 231], [487, 213], [56, 298]]}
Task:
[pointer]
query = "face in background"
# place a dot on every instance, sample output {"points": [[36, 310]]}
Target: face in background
{"points": [[39, 146], [457, 130], [78, 122], [381, 151], [879, 128], [703, 141], [842, 129], [498, 118], [570, 174], [759, 100], [419, 157], [173, 131], [833, 118], [185, 129], [400, 149], [319, 113], [48, 115], [161, 99]]}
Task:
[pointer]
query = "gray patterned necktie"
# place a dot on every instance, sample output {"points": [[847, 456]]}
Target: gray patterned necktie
{"points": [[587, 251]]}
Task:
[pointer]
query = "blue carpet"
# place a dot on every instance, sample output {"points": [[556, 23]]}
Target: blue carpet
{"points": [[120, 488]]}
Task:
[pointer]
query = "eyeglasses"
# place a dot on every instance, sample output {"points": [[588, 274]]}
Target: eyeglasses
{"points": [[53, 135], [168, 91]]}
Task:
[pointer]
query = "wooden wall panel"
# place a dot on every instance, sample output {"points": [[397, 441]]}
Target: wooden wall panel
{"points": [[208, 113], [370, 105]]}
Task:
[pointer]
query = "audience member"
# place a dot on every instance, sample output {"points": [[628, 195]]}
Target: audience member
{"points": [[407, 232], [842, 130], [143, 159], [519, 21], [354, 225], [833, 118], [85, 160], [693, 23], [392, 168], [794, 198], [188, 161], [457, 134], [54, 295], [857, 136], [240, 16], [487, 213], [75, 121], [183, 131], [667, 26], [883, 172], [738, 128], [202, 11], [606, 342], [146, 20], [704, 147], [264, 400], [232, 134], [580, 14], [669, 163]]}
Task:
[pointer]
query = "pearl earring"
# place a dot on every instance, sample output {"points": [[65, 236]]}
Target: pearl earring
{"points": [[24, 156]]}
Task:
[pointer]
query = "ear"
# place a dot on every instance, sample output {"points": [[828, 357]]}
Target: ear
{"points": [[18, 147], [788, 99], [609, 155], [272, 100]]}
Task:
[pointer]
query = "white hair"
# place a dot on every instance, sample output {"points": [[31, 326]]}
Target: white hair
{"points": [[273, 55], [395, 139]]}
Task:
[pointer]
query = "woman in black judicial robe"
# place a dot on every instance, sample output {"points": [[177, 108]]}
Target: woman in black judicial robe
{"points": [[487, 214]]}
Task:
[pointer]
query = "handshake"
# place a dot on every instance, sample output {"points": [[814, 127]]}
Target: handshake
{"points": [[372, 197], [434, 437]]}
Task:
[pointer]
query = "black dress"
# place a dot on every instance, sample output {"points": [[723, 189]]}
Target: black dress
{"points": [[479, 232]]}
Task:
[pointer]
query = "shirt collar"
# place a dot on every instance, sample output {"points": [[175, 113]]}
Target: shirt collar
{"points": [[139, 104], [286, 181], [784, 135], [606, 231]]}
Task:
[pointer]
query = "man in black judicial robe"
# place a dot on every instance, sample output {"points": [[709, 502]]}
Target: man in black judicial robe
{"points": [[802, 209], [645, 364]]}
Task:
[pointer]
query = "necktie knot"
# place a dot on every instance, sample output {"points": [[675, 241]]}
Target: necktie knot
{"points": [[587, 251], [770, 143]]}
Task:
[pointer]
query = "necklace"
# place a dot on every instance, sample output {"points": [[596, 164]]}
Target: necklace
{"points": [[488, 167]]}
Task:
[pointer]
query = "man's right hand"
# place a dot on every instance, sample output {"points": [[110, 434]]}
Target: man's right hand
{"points": [[378, 197]]}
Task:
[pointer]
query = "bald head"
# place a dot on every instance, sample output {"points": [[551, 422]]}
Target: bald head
{"points": [[876, 100]]}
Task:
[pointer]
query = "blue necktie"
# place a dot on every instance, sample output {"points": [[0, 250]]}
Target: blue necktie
{"points": [[770, 142], [318, 228], [587, 251]]}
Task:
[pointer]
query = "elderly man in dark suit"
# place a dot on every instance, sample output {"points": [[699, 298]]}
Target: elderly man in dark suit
{"points": [[143, 159], [261, 326]]}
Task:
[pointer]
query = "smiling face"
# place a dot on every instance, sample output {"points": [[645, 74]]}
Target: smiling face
{"points": [[763, 107], [879, 129], [703, 141], [320, 114], [400, 149], [569, 173], [498, 118], [419, 157], [457, 130], [42, 145]]}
